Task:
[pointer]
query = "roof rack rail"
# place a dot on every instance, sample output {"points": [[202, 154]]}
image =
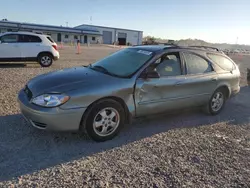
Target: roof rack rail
{"points": [[207, 47]]}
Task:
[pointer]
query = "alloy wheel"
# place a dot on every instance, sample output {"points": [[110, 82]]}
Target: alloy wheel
{"points": [[106, 121]]}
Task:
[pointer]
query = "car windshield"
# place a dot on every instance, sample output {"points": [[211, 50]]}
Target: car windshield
{"points": [[124, 62]]}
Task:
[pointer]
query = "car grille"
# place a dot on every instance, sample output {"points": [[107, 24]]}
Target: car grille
{"points": [[28, 92]]}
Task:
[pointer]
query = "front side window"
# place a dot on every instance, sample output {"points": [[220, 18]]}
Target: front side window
{"points": [[124, 62], [196, 64], [223, 62], [168, 65], [9, 38]]}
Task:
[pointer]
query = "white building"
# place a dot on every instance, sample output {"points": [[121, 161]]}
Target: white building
{"points": [[111, 35], [84, 33]]}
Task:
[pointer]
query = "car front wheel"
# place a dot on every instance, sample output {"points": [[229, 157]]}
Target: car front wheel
{"points": [[105, 120], [45, 60]]}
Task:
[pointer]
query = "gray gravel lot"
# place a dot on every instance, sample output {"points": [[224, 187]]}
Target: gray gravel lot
{"points": [[189, 149]]}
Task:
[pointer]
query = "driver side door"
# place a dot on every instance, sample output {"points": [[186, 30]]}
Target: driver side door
{"points": [[9, 47], [156, 95]]}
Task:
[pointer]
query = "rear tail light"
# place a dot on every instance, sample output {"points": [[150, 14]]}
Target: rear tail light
{"points": [[55, 47]]}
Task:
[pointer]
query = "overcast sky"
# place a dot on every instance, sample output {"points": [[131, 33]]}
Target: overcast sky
{"points": [[210, 20]]}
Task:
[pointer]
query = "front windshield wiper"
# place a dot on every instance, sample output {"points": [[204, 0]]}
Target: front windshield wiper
{"points": [[99, 68], [102, 69], [89, 65]]}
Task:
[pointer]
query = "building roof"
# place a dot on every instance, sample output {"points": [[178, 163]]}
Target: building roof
{"points": [[20, 26], [96, 26]]}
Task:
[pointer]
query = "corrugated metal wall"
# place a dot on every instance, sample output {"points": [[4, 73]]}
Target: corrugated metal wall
{"points": [[107, 37]]}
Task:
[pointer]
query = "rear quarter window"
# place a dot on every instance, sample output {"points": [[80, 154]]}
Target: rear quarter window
{"points": [[222, 62], [50, 39]]}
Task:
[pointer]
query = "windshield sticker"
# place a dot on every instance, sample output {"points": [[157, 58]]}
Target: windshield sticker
{"points": [[144, 52]]}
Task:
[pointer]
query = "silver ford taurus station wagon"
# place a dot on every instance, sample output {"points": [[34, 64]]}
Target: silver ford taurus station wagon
{"points": [[100, 98]]}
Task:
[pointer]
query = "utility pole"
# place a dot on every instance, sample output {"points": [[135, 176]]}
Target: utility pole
{"points": [[66, 24], [90, 20]]}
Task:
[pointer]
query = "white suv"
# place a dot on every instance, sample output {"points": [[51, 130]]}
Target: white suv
{"points": [[28, 46]]}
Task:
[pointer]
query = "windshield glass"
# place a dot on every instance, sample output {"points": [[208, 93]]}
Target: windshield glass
{"points": [[124, 62]]}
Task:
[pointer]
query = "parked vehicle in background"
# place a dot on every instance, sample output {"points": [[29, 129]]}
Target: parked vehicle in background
{"points": [[28, 46], [137, 81]]}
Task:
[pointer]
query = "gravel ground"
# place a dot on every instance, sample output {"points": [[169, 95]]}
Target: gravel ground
{"points": [[175, 150]]}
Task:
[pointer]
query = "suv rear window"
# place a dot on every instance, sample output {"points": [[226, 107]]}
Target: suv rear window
{"points": [[222, 61], [50, 39]]}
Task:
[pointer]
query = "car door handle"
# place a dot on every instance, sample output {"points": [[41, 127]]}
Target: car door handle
{"points": [[214, 79], [178, 83], [156, 85]]}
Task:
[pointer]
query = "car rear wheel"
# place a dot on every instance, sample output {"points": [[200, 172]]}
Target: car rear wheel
{"points": [[216, 102], [45, 60], [105, 120]]}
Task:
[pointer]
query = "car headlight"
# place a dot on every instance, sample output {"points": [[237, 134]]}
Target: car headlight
{"points": [[50, 100]]}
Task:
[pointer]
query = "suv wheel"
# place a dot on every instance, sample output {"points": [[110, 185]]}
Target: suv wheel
{"points": [[45, 60], [105, 120]]}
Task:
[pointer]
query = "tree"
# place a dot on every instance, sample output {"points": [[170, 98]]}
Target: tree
{"points": [[149, 40]]}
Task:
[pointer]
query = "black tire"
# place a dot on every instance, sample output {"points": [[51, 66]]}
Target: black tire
{"points": [[209, 109], [45, 59], [89, 127]]}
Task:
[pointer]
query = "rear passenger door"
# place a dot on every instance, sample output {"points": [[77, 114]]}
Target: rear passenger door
{"points": [[201, 79], [30, 45]]}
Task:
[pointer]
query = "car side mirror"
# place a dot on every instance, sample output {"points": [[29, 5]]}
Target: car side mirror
{"points": [[150, 74]]}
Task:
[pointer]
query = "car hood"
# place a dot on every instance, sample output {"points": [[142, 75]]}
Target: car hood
{"points": [[65, 80]]}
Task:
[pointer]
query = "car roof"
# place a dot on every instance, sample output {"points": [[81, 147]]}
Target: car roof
{"points": [[23, 32], [152, 48]]}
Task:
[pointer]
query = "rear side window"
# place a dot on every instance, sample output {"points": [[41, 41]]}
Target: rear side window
{"points": [[9, 38], [221, 61], [50, 39], [196, 64], [29, 38]]}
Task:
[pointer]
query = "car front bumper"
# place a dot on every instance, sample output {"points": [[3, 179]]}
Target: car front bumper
{"points": [[56, 55], [56, 58], [235, 91], [51, 119]]}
